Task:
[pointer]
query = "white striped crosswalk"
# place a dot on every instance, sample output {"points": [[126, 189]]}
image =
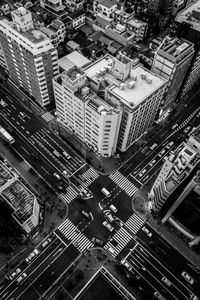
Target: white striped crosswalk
{"points": [[71, 232], [47, 116], [90, 175], [69, 195], [134, 223], [124, 183], [122, 237]]}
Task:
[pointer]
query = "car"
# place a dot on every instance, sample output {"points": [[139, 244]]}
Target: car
{"points": [[97, 241], [152, 162], [113, 242], [146, 230], [22, 114], [108, 215], [45, 243], [126, 264], [169, 145], [153, 146], [32, 255], [113, 208], [57, 176], [166, 281], [174, 126], [65, 173], [161, 153], [187, 277], [108, 226], [142, 173], [21, 278], [3, 103], [85, 214], [193, 297], [15, 273], [159, 296]]}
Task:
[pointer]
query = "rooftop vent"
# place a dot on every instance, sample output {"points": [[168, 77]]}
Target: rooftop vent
{"points": [[131, 84], [121, 86], [149, 79], [143, 75], [85, 91]]}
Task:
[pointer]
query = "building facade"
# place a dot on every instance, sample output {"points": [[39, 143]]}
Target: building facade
{"points": [[91, 119], [31, 58], [136, 90], [187, 26], [171, 61], [175, 169]]}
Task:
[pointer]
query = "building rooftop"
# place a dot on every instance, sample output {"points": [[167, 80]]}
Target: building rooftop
{"points": [[77, 59], [175, 49], [107, 3], [16, 194], [196, 134], [136, 23], [190, 15], [143, 81]]}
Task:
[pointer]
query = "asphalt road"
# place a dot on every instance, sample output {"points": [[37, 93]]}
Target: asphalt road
{"points": [[32, 135]]}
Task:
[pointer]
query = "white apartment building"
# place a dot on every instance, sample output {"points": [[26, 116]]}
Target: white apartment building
{"points": [[104, 7], [91, 119], [31, 58], [136, 90]]}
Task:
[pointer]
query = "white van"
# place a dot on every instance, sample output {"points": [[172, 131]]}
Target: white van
{"points": [[113, 208]]}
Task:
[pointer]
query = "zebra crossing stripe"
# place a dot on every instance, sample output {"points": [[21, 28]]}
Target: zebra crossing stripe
{"points": [[47, 116], [70, 194], [122, 237], [124, 183], [71, 232], [134, 223], [90, 175]]}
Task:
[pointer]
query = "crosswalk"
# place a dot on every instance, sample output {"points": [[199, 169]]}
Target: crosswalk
{"points": [[71, 232], [123, 183], [134, 223], [69, 195], [47, 116], [122, 237], [90, 175]]}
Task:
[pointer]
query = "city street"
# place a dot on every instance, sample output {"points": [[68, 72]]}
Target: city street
{"points": [[75, 234]]}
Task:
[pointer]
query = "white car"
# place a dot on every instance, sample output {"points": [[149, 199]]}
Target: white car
{"points": [[108, 226], [187, 277], [142, 173], [166, 281], [22, 277], [57, 176], [152, 162], [14, 274], [153, 146], [146, 230], [174, 126], [113, 208], [32, 255], [3, 103]]}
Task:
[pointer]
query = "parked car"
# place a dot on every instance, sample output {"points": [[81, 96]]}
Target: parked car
{"points": [[187, 277], [153, 146], [108, 226]]}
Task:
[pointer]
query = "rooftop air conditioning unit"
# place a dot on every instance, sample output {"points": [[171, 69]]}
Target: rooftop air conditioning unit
{"points": [[121, 86], [143, 75], [149, 79], [97, 73], [131, 84]]}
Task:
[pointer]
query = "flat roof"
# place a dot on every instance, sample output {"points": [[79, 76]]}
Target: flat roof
{"points": [[190, 15], [77, 59], [136, 23], [133, 96], [107, 3]]}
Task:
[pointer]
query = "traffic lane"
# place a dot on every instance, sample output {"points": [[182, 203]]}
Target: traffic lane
{"points": [[151, 277], [36, 273], [33, 265], [55, 269], [160, 269]]}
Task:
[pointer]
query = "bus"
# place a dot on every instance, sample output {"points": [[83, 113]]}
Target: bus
{"points": [[6, 136], [105, 192], [66, 155]]}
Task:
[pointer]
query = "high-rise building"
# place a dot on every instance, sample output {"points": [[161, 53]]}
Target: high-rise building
{"points": [[187, 26], [136, 90], [171, 61], [90, 118], [175, 169], [31, 58]]}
